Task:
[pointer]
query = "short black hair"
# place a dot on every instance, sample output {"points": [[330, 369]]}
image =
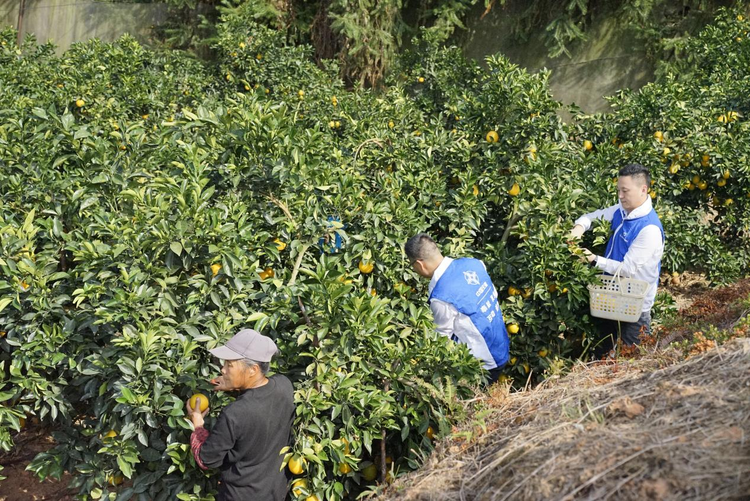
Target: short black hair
{"points": [[420, 246], [636, 170]]}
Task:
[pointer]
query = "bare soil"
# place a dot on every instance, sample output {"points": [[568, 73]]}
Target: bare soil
{"points": [[22, 485]]}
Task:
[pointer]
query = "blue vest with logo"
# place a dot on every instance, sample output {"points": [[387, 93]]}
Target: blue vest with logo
{"points": [[625, 232], [467, 286]]}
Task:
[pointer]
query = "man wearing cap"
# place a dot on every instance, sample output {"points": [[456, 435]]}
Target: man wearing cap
{"points": [[246, 441]]}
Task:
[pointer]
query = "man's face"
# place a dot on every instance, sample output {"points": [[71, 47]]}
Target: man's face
{"points": [[632, 191], [234, 374]]}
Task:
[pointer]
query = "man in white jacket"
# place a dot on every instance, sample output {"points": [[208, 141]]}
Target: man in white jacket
{"points": [[464, 302], [635, 248]]}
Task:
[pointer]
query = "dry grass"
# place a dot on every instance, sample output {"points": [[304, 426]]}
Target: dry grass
{"points": [[657, 428]]}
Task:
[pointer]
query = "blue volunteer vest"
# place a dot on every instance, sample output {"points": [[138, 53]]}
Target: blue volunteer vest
{"points": [[623, 237], [467, 286]]}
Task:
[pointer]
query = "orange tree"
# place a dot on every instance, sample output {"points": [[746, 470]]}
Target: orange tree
{"points": [[131, 246], [690, 129], [151, 206]]}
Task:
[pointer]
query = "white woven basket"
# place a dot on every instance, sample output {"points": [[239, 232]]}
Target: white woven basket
{"points": [[617, 298]]}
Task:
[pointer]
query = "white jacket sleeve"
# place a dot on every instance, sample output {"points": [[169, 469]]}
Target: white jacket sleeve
{"points": [[445, 315], [647, 248], [606, 214]]}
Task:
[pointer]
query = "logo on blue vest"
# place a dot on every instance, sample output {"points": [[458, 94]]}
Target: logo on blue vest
{"points": [[471, 277]]}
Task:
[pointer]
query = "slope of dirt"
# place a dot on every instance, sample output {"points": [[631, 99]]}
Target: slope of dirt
{"points": [[625, 431], [653, 425]]}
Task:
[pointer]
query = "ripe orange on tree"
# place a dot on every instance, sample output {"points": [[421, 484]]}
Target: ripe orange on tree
{"points": [[297, 465], [267, 273], [298, 486], [430, 433]]}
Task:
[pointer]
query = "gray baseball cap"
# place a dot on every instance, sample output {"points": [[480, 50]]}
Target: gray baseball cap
{"points": [[247, 343]]}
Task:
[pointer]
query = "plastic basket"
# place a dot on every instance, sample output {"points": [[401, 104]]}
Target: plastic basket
{"points": [[617, 298]]}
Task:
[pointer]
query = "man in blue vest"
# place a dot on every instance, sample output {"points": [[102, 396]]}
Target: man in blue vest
{"points": [[635, 247], [463, 301]]}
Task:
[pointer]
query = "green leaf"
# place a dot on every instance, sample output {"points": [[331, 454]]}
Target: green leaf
{"points": [[124, 466], [176, 247], [5, 302]]}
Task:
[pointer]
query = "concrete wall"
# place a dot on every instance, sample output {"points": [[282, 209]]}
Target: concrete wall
{"points": [[610, 60], [68, 21]]}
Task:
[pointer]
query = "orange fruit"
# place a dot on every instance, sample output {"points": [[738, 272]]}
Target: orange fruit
{"points": [[114, 480], [492, 137], [298, 485], [365, 268], [267, 273], [215, 268], [297, 465], [203, 404], [515, 190], [513, 328], [370, 472]]}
